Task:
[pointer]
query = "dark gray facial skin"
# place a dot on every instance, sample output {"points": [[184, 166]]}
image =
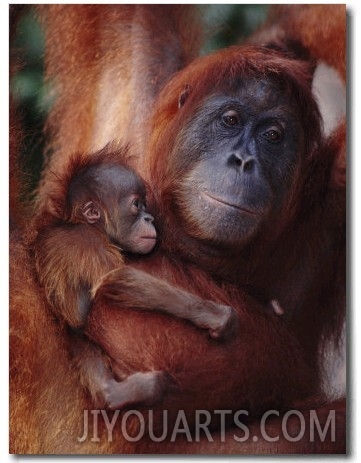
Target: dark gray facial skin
{"points": [[241, 154], [114, 200], [128, 223], [135, 230]]}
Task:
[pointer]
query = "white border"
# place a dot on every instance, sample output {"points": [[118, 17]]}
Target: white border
{"points": [[354, 247]]}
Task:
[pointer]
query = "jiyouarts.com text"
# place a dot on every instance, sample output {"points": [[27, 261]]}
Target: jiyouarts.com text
{"points": [[294, 426]]}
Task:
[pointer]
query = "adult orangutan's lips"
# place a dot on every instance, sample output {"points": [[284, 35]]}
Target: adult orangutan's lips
{"points": [[222, 201]]}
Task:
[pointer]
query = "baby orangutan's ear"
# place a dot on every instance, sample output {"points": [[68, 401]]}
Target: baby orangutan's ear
{"points": [[91, 212]]}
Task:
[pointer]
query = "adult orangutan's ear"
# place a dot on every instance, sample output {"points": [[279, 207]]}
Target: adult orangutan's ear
{"points": [[184, 95]]}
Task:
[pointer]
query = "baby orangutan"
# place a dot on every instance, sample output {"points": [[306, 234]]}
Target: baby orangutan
{"points": [[98, 213]]}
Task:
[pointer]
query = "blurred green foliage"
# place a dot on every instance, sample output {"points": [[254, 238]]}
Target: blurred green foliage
{"points": [[230, 24], [29, 91], [227, 24]]}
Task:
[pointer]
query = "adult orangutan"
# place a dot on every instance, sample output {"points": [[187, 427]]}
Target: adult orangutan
{"points": [[241, 181]]}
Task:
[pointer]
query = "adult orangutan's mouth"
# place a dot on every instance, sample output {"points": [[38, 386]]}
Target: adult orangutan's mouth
{"points": [[226, 203]]}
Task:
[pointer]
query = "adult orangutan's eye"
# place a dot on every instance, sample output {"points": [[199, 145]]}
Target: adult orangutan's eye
{"points": [[231, 118], [273, 135]]}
